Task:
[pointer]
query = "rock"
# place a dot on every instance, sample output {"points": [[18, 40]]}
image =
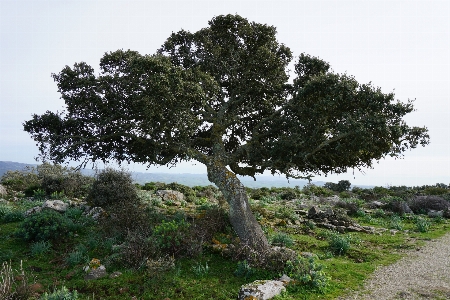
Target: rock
{"points": [[170, 195], [285, 279], [435, 213], [375, 204], [96, 212], [33, 210], [261, 290], [100, 272], [57, 205], [115, 274], [329, 212], [446, 213], [308, 255], [313, 212], [3, 191]]}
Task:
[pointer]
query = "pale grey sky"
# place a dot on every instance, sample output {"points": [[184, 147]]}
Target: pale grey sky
{"points": [[397, 45]]}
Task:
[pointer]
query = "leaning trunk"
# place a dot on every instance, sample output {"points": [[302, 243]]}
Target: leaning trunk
{"points": [[241, 217]]}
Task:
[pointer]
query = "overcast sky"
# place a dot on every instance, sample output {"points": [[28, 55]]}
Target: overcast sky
{"points": [[400, 46]]}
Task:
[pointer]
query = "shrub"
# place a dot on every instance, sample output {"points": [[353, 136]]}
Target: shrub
{"points": [[39, 194], [306, 272], [163, 264], [421, 204], [341, 186], [187, 191], [46, 225], [257, 194], [21, 180], [435, 190], [75, 258], [136, 249], [282, 239], [422, 225], [40, 248], [285, 212], [314, 190], [170, 237], [244, 270], [395, 222], [56, 178], [111, 187], [339, 244], [200, 270], [60, 294], [288, 194]]}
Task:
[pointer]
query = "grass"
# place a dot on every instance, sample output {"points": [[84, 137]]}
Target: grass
{"points": [[211, 275]]}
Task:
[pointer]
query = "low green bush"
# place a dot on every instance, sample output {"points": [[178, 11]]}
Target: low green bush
{"points": [[282, 239], [339, 244], [40, 248], [314, 190], [60, 294], [171, 236], [244, 270], [306, 272], [47, 225]]}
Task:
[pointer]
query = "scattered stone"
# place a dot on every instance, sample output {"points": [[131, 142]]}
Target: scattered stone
{"points": [[32, 211], [170, 195], [100, 272], [57, 205], [285, 279], [261, 290], [435, 213], [313, 212], [375, 204], [96, 212], [115, 274], [308, 255]]}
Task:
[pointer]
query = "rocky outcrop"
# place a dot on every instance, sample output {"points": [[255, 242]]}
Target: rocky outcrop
{"points": [[329, 219], [57, 205], [170, 195], [261, 290]]}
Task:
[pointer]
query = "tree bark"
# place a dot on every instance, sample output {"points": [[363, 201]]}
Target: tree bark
{"points": [[241, 217]]}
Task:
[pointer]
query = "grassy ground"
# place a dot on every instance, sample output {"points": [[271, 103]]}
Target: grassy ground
{"points": [[211, 274]]}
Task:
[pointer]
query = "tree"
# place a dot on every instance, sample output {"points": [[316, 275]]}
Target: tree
{"points": [[222, 96], [341, 186]]}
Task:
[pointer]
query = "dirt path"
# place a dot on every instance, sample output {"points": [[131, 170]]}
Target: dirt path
{"points": [[422, 274]]}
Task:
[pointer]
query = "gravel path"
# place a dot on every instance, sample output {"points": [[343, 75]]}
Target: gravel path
{"points": [[422, 274]]}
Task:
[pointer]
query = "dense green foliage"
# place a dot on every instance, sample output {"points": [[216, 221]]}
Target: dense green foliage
{"points": [[223, 89], [111, 187]]}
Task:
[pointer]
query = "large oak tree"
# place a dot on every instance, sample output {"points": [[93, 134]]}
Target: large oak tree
{"points": [[222, 96]]}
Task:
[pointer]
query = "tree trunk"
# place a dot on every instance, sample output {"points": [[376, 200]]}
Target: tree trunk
{"points": [[241, 217]]}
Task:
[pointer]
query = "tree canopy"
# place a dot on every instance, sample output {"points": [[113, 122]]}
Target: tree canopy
{"points": [[223, 96], [223, 90]]}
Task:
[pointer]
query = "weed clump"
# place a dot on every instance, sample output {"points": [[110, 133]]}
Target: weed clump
{"points": [[62, 293], [305, 272]]}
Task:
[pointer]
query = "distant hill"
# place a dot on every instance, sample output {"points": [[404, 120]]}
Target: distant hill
{"points": [[186, 179], [12, 166]]}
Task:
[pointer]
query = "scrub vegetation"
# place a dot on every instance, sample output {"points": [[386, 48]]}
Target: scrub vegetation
{"points": [[187, 249]]}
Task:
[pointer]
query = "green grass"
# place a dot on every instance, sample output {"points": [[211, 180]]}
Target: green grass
{"points": [[62, 263]]}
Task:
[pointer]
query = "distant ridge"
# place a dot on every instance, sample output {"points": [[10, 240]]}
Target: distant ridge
{"points": [[186, 179]]}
